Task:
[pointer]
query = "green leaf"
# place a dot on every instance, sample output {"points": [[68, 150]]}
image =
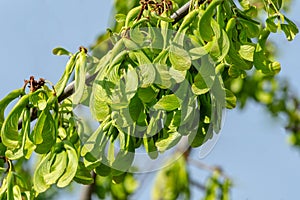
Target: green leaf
{"points": [[132, 14], [163, 78], [10, 185], [230, 99], [187, 20], [199, 86], [61, 51], [201, 51], [172, 181], [135, 107], [205, 28], [122, 162], [146, 70], [164, 144], [83, 175], [205, 78], [245, 4], [61, 84], [197, 139], [271, 26], [6, 100], [17, 153], [92, 149], [99, 109], [220, 43], [155, 123], [150, 147], [147, 94], [42, 104], [168, 103], [125, 89], [57, 167], [71, 168], [289, 29], [103, 169], [235, 72], [160, 17], [120, 18], [179, 58], [99, 101], [260, 61], [43, 168], [237, 61], [9, 131], [122, 118], [247, 51], [17, 192], [44, 132], [80, 72], [252, 29], [178, 76]]}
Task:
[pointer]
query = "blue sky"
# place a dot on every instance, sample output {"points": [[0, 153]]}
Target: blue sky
{"points": [[252, 148]]}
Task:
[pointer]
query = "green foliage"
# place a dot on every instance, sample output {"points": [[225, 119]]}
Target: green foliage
{"points": [[172, 182], [217, 188], [155, 82]]}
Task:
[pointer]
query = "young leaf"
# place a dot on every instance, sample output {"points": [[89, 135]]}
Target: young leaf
{"points": [[220, 43], [80, 71], [247, 51], [61, 51], [10, 185], [147, 94], [252, 29], [57, 167], [43, 168], [230, 99], [103, 169], [6, 100], [188, 19], [44, 132], [289, 29], [205, 27], [122, 162], [199, 86], [163, 78], [271, 26], [120, 18], [17, 153], [71, 168], [150, 147], [135, 107], [168, 103], [132, 14], [83, 175], [198, 52], [145, 70], [9, 132], [164, 144], [61, 84], [179, 58]]}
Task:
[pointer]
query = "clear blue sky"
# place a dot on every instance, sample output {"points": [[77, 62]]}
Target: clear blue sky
{"points": [[253, 147]]}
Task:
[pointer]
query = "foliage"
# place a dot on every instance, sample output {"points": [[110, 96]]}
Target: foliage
{"points": [[151, 82]]}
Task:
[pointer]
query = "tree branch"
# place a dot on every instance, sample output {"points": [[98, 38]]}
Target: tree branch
{"points": [[181, 12]]}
